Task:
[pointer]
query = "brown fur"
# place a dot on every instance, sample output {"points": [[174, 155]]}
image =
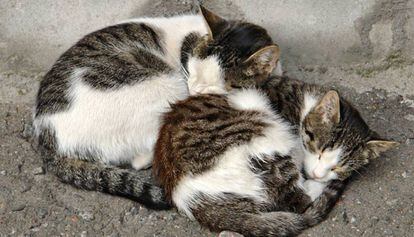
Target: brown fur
{"points": [[194, 135], [196, 132]]}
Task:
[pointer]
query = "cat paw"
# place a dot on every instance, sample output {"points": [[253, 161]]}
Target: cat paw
{"points": [[229, 234], [142, 162]]}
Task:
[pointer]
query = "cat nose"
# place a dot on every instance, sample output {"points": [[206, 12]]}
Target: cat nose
{"points": [[318, 174]]}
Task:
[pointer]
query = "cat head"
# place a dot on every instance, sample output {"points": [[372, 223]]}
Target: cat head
{"points": [[336, 139], [234, 54]]}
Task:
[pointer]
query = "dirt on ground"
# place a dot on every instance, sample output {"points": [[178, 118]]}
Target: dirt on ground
{"points": [[378, 202]]}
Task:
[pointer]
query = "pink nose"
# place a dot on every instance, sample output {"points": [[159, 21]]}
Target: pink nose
{"points": [[317, 174]]}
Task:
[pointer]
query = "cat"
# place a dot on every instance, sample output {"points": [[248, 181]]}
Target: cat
{"points": [[335, 138], [100, 104], [224, 158]]}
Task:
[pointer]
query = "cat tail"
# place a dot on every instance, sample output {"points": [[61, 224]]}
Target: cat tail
{"points": [[225, 217], [93, 176]]}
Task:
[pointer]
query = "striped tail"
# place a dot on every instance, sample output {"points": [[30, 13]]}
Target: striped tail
{"points": [[133, 185], [224, 217]]}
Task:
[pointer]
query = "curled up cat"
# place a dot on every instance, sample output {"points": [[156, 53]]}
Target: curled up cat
{"points": [[100, 104], [227, 159]]}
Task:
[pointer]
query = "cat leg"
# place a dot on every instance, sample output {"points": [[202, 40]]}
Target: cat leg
{"points": [[314, 188], [230, 213], [142, 161]]}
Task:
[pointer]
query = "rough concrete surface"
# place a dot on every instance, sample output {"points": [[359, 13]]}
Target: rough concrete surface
{"points": [[363, 48]]}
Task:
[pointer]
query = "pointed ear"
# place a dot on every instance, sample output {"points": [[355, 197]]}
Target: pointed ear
{"points": [[380, 146], [263, 61], [329, 107], [214, 22]]}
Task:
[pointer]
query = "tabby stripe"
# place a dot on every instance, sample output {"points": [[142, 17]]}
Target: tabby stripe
{"points": [[105, 180], [154, 36]]}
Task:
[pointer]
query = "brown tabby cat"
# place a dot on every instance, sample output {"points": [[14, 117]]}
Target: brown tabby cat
{"points": [[225, 159]]}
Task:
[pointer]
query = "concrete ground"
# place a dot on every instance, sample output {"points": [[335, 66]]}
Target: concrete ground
{"points": [[363, 48]]}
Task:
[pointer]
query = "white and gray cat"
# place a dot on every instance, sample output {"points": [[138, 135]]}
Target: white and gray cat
{"points": [[233, 161], [102, 101]]}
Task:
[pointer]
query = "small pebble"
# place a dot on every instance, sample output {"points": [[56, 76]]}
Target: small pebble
{"points": [[392, 202], [87, 216], [41, 212], [38, 171], [25, 187], [353, 220], [134, 211], [3, 172], [345, 217], [404, 174], [22, 91], [27, 131], [84, 233], [18, 207], [229, 234], [35, 229]]}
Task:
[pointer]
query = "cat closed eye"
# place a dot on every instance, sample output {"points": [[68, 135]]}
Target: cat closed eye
{"points": [[236, 87], [310, 135]]}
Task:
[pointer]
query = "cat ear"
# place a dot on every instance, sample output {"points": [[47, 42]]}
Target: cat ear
{"points": [[380, 146], [262, 61], [214, 22], [329, 107]]}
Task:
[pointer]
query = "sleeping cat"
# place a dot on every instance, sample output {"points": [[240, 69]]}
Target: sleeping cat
{"points": [[101, 102], [336, 140], [224, 159]]}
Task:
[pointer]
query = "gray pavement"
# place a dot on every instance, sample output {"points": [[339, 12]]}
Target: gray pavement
{"points": [[364, 48]]}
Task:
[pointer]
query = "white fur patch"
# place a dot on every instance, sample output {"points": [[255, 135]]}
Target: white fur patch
{"points": [[174, 29], [205, 76], [232, 173], [250, 99], [314, 188], [309, 102], [142, 161], [120, 124]]}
